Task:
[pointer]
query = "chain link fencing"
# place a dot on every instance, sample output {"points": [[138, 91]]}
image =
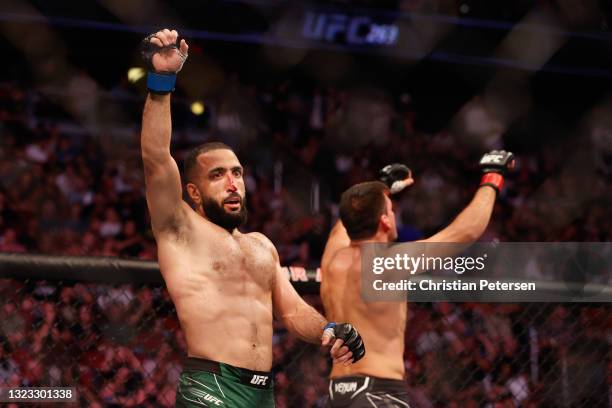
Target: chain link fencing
{"points": [[121, 345]]}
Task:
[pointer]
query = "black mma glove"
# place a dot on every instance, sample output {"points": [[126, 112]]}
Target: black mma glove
{"points": [[494, 165], [395, 176], [349, 334], [172, 58]]}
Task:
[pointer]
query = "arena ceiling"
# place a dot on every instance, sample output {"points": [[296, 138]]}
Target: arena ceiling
{"points": [[441, 53]]}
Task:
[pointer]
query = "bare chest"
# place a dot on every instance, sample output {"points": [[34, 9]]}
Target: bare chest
{"points": [[239, 261]]}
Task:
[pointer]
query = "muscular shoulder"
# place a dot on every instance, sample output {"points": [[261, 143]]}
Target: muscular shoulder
{"points": [[264, 241], [342, 259], [261, 238]]}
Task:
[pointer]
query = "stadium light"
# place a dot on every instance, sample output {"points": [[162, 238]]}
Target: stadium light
{"points": [[197, 108], [134, 74]]}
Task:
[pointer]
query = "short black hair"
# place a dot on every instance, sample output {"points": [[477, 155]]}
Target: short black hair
{"points": [[191, 160], [361, 207]]}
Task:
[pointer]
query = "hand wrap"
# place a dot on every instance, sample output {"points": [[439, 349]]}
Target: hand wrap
{"points": [[349, 335], [160, 83]]}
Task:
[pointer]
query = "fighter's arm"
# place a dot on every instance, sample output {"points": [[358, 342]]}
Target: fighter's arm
{"points": [[299, 317], [162, 178], [471, 223], [467, 227], [303, 321], [338, 239]]}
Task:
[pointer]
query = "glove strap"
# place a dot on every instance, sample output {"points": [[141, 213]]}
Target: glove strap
{"points": [[160, 83], [494, 180], [330, 328], [397, 186]]}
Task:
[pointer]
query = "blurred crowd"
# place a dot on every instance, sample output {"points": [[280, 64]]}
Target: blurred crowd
{"points": [[64, 191], [116, 345], [75, 187]]}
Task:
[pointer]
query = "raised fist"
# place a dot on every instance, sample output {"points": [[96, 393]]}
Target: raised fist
{"points": [[162, 53], [494, 165], [497, 161], [396, 176]]}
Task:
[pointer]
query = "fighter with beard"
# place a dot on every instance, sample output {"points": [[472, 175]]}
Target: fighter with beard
{"points": [[226, 285]]}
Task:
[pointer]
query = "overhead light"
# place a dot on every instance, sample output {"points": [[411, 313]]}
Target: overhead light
{"points": [[197, 108], [135, 73]]}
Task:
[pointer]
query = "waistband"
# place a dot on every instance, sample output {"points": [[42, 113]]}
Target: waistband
{"points": [[256, 379], [368, 382]]}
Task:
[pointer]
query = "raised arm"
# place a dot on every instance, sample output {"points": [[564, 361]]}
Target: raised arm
{"points": [[471, 223], [162, 177]]}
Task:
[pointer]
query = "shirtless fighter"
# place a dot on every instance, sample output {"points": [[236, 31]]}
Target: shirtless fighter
{"points": [[226, 285], [366, 215]]}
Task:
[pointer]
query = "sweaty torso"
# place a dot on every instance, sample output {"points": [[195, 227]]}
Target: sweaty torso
{"points": [[221, 285], [381, 324]]}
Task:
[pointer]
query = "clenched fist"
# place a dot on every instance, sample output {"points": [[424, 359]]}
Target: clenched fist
{"points": [[162, 53]]}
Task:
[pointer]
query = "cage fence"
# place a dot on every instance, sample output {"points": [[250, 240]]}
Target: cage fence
{"points": [[120, 344]]}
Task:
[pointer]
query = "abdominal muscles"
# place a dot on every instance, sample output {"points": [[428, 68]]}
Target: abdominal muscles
{"points": [[229, 323]]}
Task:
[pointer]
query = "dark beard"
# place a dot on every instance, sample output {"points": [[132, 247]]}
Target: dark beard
{"points": [[217, 214]]}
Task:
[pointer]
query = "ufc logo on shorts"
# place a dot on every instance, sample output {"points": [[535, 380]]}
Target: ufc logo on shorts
{"points": [[259, 380], [212, 399], [203, 396]]}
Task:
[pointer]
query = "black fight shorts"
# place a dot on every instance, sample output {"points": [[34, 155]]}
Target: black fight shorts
{"points": [[367, 392]]}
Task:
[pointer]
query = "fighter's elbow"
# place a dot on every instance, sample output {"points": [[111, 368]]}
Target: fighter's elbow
{"points": [[154, 155], [472, 233], [156, 160], [288, 321]]}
